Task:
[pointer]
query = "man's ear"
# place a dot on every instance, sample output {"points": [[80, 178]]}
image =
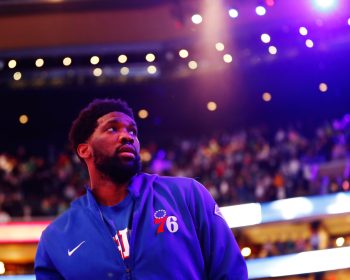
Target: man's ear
{"points": [[84, 150]]}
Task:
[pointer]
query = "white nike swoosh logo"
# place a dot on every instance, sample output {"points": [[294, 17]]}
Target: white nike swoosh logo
{"points": [[70, 252]]}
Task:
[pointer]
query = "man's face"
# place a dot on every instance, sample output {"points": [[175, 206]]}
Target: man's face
{"points": [[115, 147]]}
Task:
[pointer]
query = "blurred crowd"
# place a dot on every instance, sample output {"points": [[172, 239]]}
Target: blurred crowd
{"points": [[316, 237], [252, 165]]}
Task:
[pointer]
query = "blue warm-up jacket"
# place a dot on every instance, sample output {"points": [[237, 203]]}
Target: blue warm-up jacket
{"points": [[177, 233]]}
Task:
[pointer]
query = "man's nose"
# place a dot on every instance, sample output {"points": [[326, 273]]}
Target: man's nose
{"points": [[126, 138]]}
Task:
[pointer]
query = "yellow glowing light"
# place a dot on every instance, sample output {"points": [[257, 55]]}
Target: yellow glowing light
{"points": [[122, 58], [272, 50], [219, 46], [183, 53], [39, 62], [267, 97], [151, 69], [12, 63], [143, 114], [246, 251], [150, 57], [197, 19], [23, 119], [17, 76], [124, 71], [192, 65], [340, 241], [211, 106], [323, 87], [94, 60], [2, 268], [97, 72], [227, 58], [67, 61], [145, 155]]}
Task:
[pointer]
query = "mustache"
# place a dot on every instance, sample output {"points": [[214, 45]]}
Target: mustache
{"points": [[126, 148]]}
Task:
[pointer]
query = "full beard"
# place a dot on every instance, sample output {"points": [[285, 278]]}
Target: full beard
{"points": [[117, 169]]}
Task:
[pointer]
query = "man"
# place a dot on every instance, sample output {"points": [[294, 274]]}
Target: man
{"points": [[132, 225]]}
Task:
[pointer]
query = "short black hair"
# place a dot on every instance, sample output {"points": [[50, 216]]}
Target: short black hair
{"points": [[86, 122]]}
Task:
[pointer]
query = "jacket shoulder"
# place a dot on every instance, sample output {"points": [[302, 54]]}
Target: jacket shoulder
{"points": [[62, 222]]}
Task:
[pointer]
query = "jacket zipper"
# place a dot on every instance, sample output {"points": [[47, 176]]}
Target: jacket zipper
{"points": [[105, 226]]}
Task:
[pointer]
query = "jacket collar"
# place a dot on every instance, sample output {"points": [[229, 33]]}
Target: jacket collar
{"points": [[139, 183]]}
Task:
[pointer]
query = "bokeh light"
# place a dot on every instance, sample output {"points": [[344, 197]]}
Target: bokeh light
{"points": [[152, 69], [323, 87], [303, 31], [219, 46], [260, 10], [272, 50], [192, 65], [122, 58], [340, 241], [309, 43], [2, 268], [197, 19], [265, 38], [246, 251], [267, 96], [97, 72], [183, 53], [94, 60], [12, 63], [212, 106], [150, 57], [143, 114], [39, 62], [17, 76], [124, 71], [233, 13], [67, 61], [227, 58], [23, 119]]}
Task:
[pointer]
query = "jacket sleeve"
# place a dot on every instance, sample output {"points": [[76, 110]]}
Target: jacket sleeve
{"points": [[43, 266], [222, 256]]}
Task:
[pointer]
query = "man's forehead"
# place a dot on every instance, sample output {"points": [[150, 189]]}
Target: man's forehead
{"points": [[115, 116]]}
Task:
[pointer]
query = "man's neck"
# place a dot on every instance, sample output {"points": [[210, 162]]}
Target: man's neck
{"points": [[109, 193]]}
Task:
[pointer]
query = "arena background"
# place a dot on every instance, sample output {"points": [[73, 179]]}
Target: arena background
{"points": [[215, 70]]}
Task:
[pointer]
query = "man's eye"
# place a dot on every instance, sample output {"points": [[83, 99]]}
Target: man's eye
{"points": [[111, 129]]}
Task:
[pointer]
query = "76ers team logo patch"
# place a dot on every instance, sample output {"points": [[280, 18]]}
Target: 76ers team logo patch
{"points": [[163, 220]]}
